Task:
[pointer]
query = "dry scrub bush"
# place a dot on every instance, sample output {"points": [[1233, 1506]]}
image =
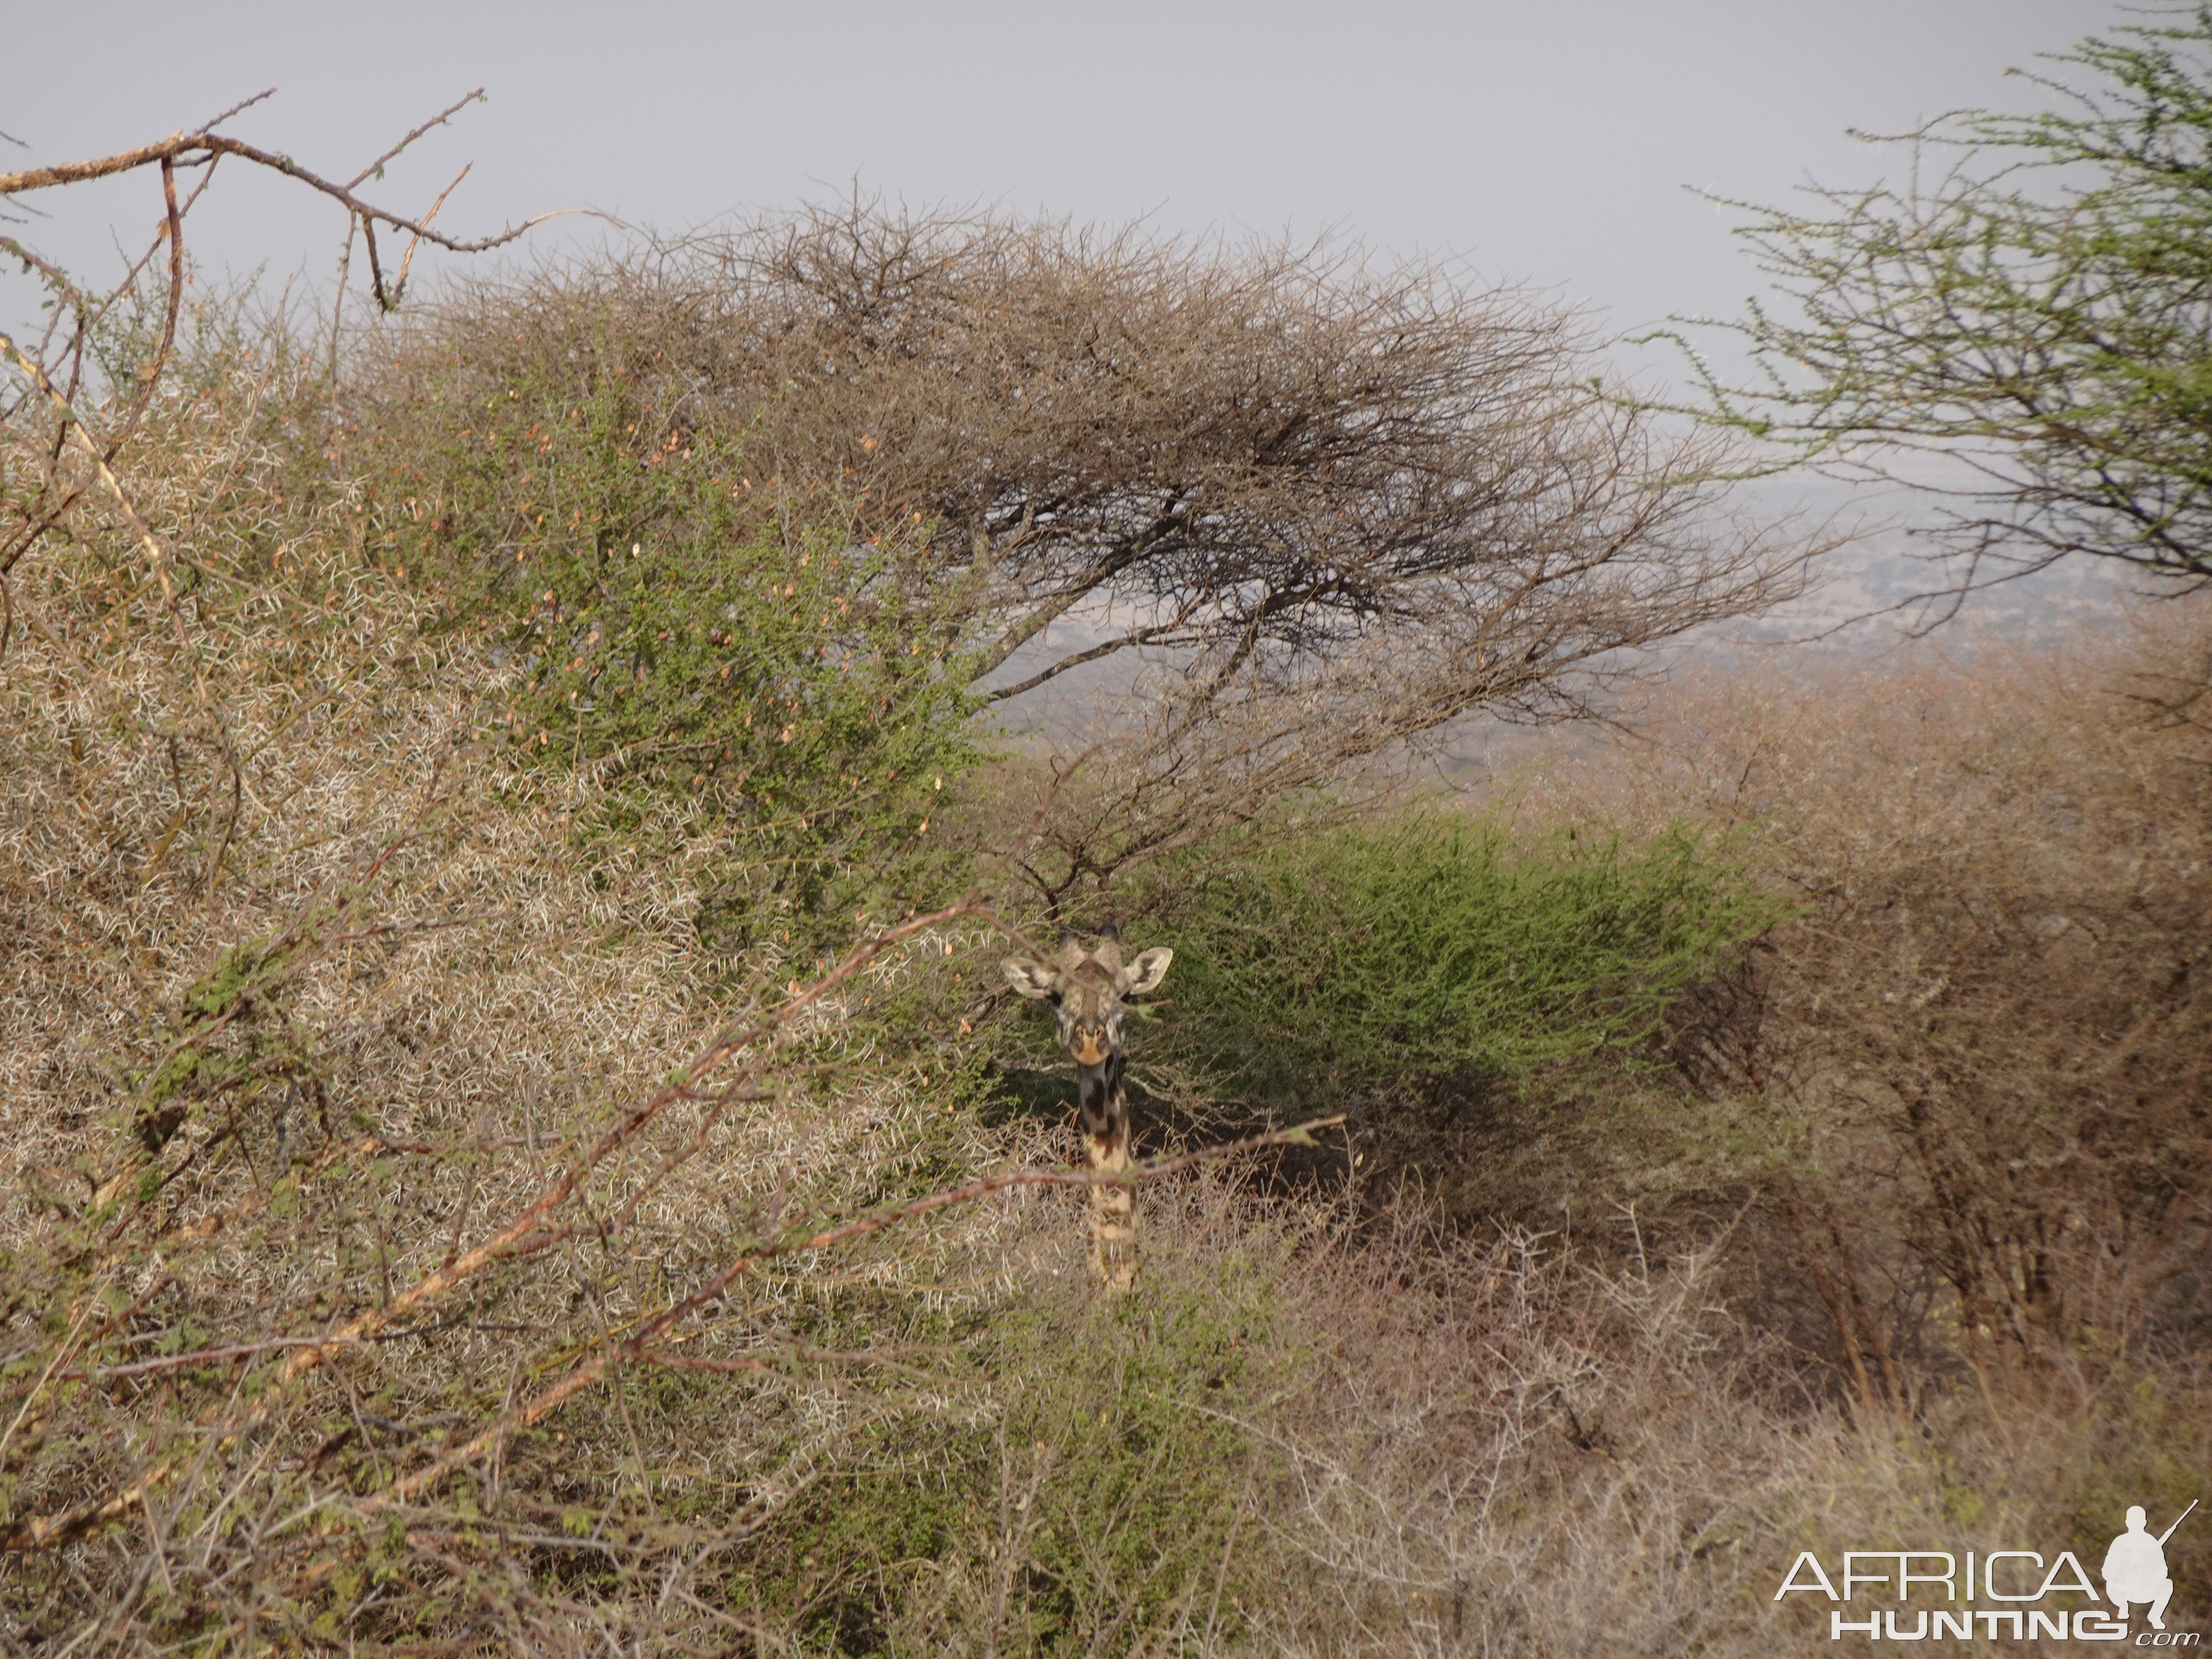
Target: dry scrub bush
{"points": [[1522, 1455], [388, 1262], [1929, 1173], [1314, 1435], [361, 1121], [352, 1201], [407, 1003], [1968, 1087], [1509, 1446]]}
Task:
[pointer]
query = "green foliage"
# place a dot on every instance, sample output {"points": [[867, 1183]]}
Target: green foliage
{"points": [[2042, 307], [728, 668], [1360, 959], [1091, 1505], [232, 1034]]}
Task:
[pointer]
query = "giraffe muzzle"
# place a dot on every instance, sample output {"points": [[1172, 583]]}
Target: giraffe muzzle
{"points": [[1089, 1049]]}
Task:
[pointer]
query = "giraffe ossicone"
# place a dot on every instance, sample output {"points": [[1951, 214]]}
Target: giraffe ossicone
{"points": [[1089, 990]]}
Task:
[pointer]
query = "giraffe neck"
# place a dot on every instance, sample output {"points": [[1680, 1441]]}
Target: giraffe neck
{"points": [[1098, 1095], [1103, 1112]]}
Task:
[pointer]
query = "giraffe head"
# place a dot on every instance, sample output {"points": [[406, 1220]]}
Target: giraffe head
{"points": [[1089, 990]]}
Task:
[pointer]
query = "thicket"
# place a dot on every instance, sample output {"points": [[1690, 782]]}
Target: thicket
{"points": [[740, 670], [1969, 1084], [1363, 963], [454, 1206], [363, 1259]]}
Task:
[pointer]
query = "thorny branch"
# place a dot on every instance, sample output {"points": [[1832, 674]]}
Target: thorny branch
{"points": [[204, 148], [201, 149], [529, 1234]]}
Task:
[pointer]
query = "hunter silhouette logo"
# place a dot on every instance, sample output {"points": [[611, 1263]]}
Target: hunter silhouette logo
{"points": [[1939, 1593], [2135, 1568]]}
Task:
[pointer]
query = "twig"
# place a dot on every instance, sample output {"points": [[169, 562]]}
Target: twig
{"points": [[195, 149], [406, 260], [238, 107], [337, 306], [230, 826], [437, 120], [157, 551], [61, 1357]]}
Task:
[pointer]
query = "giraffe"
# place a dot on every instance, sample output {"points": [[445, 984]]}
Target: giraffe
{"points": [[1089, 990]]}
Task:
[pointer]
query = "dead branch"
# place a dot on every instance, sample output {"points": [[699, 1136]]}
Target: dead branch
{"points": [[200, 148]]}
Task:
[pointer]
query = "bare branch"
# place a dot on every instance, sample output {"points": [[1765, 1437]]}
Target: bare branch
{"points": [[375, 169], [240, 107], [192, 150]]}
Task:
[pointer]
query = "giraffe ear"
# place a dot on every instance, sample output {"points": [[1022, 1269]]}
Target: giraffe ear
{"points": [[1146, 972], [1031, 979]]}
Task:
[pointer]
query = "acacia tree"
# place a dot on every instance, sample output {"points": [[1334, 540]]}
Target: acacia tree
{"points": [[1309, 509], [2040, 312]]}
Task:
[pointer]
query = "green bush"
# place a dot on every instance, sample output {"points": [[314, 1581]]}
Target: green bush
{"points": [[1083, 1495], [731, 662], [1324, 966]]}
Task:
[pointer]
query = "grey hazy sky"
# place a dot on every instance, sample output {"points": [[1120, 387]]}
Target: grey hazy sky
{"points": [[1547, 143]]}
